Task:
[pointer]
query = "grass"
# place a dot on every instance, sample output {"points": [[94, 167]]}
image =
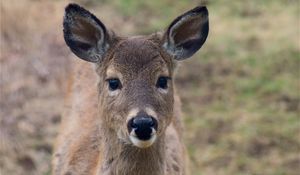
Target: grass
{"points": [[240, 93]]}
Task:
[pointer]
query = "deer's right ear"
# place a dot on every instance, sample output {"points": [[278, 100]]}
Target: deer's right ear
{"points": [[86, 36]]}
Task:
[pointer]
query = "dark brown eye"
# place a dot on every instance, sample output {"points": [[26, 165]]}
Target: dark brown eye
{"points": [[162, 82], [114, 84]]}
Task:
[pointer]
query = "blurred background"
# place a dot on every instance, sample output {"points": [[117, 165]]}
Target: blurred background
{"points": [[240, 92]]}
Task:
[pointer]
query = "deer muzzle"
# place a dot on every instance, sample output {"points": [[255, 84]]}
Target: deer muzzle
{"points": [[142, 130]]}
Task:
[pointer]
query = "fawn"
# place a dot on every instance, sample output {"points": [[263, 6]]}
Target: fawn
{"points": [[122, 115]]}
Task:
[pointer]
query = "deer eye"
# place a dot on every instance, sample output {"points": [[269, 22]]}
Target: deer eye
{"points": [[114, 84], [162, 82]]}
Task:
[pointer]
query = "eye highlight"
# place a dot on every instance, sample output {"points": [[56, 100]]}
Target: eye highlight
{"points": [[162, 82], [114, 84]]}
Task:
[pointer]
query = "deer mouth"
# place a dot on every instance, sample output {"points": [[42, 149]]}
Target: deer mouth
{"points": [[142, 143]]}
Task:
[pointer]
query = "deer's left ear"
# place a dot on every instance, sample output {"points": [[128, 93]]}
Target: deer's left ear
{"points": [[187, 33]]}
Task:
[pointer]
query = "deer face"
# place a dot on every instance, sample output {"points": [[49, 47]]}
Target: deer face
{"points": [[135, 74], [137, 90]]}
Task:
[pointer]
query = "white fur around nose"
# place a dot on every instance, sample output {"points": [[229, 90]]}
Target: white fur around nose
{"points": [[132, 113], [142, 143], [151, 112]]}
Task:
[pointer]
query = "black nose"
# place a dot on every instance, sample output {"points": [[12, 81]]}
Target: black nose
{"points": [[142, 125]]}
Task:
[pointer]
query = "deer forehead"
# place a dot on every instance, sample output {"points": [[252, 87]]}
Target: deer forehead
{"points": [[138, 56]]}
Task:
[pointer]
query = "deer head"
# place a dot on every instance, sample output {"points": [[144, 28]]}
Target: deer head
{"points": [[136, 74]]}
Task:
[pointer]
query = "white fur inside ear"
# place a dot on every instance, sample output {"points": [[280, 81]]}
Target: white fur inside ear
{"points": [[187, 33], [170, 45]]}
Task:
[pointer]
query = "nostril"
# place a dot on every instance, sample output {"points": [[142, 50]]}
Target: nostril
{"points": [[153, 123], [133, 124]]}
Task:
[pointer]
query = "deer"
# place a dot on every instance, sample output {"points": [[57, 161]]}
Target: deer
{"points": [[122, 113]]}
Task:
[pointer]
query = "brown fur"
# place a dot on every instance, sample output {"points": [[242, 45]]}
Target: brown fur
{"points": [[94, 138], [85, 143]]}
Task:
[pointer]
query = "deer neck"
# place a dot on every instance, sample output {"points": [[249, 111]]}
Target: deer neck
{"points": [[122, 158]]}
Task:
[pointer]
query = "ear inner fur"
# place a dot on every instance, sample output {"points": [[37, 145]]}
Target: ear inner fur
{"points": [[187, 33], [85, 34]]}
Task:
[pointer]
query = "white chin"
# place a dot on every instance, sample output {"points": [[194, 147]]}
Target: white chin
{"points": [[142, 143]]}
